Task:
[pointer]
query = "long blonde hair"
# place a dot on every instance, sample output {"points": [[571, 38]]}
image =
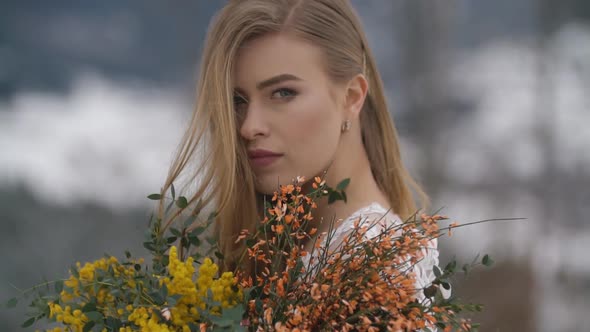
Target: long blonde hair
{"points": [[223, 173]]}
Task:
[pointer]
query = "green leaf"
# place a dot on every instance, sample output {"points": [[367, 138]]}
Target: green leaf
{"points": [[148, 234], [89, 307], [189, 220], [343, 184], [236, 328], [169, 206], [267, 205], [181, 202], [236, 313], [258, 304], [211, 241], [333, 197], [451, 266], [164, 291], [172, 191], [28, 322], [436, 271], [218, 255], [441, 325], [59, 286], [113, 323], [430, 291], [94, 316], [222, 322], [175, 232], [74, 271], [184, 242], [11, 303], [155, 197], [88, 326], [165, 260], [212, 215], [198, 230], [198, 207], [127, 254], [487, 260], [194, 240], [157, 297], [172, 300], [193, 327]]}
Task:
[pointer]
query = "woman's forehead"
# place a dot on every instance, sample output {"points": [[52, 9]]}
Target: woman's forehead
{"points": [[275, 54]]}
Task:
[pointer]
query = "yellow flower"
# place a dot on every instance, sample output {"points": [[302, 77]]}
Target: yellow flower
{"points": [[147, 320], [75, 319], [181, 283], [191, 291], [223, 292]]}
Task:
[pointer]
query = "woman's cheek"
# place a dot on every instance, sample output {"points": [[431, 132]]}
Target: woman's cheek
{"points": [[312, 116]]}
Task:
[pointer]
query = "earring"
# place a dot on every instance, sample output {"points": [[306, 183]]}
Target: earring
{"points": [[346, 126]]}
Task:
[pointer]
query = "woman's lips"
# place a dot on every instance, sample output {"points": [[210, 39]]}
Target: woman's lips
{"points": [[263, 161], [263, 158]]}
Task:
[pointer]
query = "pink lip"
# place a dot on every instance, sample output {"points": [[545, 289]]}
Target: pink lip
{"points": [[263, 158], [263, 161]]}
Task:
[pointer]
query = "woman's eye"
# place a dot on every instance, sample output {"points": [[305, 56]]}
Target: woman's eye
{"points": [[240, 103], [283, 93], [238, 100]]}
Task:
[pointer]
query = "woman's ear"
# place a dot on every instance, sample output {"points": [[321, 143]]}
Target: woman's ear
{"points": [[356, 92]]}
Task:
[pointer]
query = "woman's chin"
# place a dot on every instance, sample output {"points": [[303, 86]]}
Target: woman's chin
{"points": [[270, 187], [267, 189]]}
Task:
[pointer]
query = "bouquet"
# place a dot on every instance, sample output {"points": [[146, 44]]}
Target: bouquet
{"points": [[359, 283]]}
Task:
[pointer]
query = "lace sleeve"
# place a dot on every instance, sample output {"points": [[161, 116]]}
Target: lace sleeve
{"points": [[424, 269]]}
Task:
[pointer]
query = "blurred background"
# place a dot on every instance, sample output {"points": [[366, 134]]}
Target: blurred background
{"points": [[491, 99]]}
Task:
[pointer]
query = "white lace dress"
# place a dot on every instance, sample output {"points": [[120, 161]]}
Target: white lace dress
{"points": [[375, 212]]}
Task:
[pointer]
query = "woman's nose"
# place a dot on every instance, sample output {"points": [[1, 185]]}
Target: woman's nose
{"points": [[254, 123]]}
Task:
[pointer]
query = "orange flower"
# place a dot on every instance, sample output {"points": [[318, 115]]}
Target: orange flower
{"points": [[288, 189], [362, 275], [281, 287], [278, 228], [451, 226], [243, 234], [268, 315]]}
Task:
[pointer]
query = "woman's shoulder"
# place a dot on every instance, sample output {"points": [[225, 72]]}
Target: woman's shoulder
{"points": [[375, 216], [374, 209]]}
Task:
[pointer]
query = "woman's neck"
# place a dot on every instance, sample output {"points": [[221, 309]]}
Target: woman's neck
{"points": [[361, 191]]}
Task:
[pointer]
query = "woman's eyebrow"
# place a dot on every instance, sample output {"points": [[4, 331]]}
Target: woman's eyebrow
{"points": [[276, 80]]}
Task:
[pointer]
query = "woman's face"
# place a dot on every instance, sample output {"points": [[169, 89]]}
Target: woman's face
{"points": [[290, 112]]}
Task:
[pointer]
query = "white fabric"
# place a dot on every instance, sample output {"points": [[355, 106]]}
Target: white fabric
{"points": [[377, 213]]}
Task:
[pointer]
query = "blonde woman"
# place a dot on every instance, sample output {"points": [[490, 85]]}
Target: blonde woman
{"points": [[290, 88]]}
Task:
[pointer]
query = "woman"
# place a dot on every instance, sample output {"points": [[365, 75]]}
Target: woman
{"points": [[290, 88]]}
